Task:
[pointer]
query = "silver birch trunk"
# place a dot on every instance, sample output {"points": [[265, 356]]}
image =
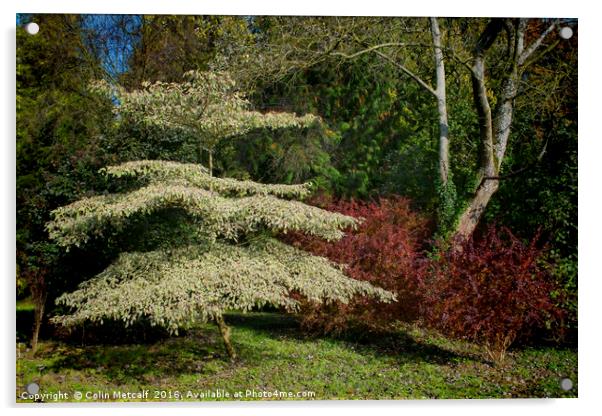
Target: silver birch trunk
{"points": [[440, 92], [494, 134]]}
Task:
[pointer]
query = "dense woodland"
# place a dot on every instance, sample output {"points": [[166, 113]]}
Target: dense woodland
{"points": [[436, 162]]}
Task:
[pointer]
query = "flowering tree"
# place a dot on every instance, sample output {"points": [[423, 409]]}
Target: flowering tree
{"points": [[226, 259], [205, 105]]}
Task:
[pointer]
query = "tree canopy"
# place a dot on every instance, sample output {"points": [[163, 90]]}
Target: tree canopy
{"points": [[205, 105], [231, 259]]}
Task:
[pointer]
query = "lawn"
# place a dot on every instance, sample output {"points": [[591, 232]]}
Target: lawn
{"points": [[276, 358]]}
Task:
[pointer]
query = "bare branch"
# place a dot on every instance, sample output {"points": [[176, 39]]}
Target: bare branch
{"points": [[532, 47], [408, 72], [488, 36], [540, 55], [520, 39], [373, 48], [449, 52], [452, 54], [481, 101]]}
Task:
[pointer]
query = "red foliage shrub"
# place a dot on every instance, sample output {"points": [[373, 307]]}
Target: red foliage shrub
{"points": [[491, 290], [383, 250]]}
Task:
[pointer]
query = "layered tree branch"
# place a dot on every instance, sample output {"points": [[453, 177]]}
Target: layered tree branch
{"points": [[174, 288]]}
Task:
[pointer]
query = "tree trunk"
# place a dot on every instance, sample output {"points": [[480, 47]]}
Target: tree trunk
{"points": [[494, 140], [441, 103], [504, 115], [201, 150], [488, 167], [40, 303], [225, 332], [473, 212]]}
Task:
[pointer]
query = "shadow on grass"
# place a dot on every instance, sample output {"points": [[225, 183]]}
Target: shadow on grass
{"points": [[111, 332], [400, 345], [143, 362], [24, 324], [200, 351]]}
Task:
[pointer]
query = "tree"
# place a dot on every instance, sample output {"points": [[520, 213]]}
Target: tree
{"points": [[58, 142], [206, 106], [296, 44], [220, 256], [164, 47], [495, 126], [541, 193]]}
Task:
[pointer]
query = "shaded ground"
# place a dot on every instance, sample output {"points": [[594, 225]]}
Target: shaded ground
{"points": [[411, 364]]}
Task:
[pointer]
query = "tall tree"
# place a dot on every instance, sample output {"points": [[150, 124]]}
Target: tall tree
{"points": [[58, 143], [165, 47], [296, 44], [495, 127]]}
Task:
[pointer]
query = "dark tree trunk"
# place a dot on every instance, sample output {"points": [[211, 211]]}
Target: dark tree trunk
{"points": [[225, 332], [40, 303]]}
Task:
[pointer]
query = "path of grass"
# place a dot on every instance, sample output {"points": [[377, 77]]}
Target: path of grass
{"points": [[274, 356]]}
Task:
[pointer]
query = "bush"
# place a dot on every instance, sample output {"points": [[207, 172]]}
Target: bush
{"points": [[493, 290], [383, 250]]}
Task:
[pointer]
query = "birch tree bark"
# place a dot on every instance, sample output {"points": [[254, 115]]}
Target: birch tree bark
{"points": [[441, 97], [495, 117], [494, 129], [439, 92], [494, 132]]}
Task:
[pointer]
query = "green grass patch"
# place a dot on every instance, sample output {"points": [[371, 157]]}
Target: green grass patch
{"points": [[274, 356], [25, 305]]}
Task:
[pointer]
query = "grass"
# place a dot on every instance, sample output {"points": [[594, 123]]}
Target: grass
{"points": [[274, 355]]}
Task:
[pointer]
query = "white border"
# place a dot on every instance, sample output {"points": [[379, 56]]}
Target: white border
{"points": [[539, 8]]}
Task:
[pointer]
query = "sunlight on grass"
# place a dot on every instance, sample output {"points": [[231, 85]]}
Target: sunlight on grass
{"points": [[274, 355], [25, 305]]}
